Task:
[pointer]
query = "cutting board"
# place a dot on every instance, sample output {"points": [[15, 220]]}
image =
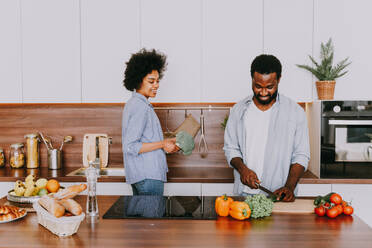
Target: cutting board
{"points": [[299, 206], [89, 149]]}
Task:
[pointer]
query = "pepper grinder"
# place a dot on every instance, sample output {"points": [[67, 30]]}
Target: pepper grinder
{"points": [[92, 173]]}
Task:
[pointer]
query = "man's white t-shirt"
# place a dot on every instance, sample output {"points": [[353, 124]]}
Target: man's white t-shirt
{"points": [[256, 124]]}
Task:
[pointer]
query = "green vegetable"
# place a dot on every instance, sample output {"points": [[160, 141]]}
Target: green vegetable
{"points": [[323, 199], [185, 142], [260, 205]]}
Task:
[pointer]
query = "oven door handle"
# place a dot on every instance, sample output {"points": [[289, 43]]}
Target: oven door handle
{"points": [[350, 122]]}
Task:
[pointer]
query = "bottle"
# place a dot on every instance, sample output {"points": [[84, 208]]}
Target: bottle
{"points": [[2, 158], [92, 174], [17, 155], [32, 141]]}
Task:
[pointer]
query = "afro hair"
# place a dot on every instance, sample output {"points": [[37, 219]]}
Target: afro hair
{"points": [[142, 63], [266, 64]]}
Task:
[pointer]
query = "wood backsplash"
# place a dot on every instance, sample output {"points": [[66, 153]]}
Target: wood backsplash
{"points": [[59, 120]]}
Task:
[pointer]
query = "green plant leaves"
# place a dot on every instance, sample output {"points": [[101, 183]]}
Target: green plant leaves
{"points": [[325, 71]]}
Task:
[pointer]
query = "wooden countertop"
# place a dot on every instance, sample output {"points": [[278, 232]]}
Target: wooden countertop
{"points": [[279, 230], [175, 175]]}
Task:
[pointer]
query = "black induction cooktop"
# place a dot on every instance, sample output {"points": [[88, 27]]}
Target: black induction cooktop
{"points": [[163, 207]]}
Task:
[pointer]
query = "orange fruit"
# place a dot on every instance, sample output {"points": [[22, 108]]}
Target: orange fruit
{"points": [[52, 186]]}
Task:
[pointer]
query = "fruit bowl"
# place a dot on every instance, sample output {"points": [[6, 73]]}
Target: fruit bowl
{"points": [[21, 199]]}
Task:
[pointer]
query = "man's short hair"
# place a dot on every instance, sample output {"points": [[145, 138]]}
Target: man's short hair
{"points": [[266, 64]]}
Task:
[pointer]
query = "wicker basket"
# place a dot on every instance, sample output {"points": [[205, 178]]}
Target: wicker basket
{"points": [[63, 226], [325, 89]]}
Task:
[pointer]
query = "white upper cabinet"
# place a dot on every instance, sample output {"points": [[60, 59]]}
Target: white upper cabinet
{"points": [[109, 34], [232, 38], [288, 30], [51, 51], [10, 59], [174, 28], [348, 23]]}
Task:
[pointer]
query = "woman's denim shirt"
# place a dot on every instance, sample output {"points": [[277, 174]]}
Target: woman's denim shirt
{"points": [[141, 125]]}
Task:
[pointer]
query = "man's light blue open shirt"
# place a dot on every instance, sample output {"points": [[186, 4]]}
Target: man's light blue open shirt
{"points": [[287, 142], [141, 125]]}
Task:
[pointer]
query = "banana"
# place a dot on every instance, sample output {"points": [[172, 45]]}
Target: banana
{"points": [[19, 191], [18, 183], [29, 183], [30, 177], [19, 188], [29, 190], [36, 190]]}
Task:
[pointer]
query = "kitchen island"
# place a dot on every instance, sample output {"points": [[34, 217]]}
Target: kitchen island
{"points": [[278, 230]]}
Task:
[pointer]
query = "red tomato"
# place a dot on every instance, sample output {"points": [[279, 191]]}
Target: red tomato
{"points": [[348, 210], [327, 205], [320, 211], [332, 212], [344, 203], [336, 199], [340, 209]]}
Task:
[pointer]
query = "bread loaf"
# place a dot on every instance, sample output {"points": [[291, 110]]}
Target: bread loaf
{"points": [[72, 206], [52, 205], [70, 192]]}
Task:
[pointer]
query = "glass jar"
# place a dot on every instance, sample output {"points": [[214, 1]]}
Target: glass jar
{"points": [[17, 155], [2, 158], [32, 141]]}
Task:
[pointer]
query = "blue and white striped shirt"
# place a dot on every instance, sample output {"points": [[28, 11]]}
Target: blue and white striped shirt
{"points": [[141, 125]]}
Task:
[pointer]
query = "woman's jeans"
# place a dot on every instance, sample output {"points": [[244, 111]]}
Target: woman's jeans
{"points": [[148, 187]]}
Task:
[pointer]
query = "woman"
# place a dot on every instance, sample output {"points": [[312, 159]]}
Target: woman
{"points": [[144, 147]]}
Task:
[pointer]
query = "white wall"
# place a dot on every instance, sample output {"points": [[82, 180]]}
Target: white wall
{"points": [[75, 50]]}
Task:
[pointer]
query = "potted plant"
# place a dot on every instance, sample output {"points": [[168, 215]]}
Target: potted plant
{"points": [[325, 72]]}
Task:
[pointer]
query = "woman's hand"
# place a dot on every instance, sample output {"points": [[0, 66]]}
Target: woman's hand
{"points": [[169, 145]]}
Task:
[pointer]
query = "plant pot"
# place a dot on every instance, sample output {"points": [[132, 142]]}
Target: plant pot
{"points": [[325, 89]]}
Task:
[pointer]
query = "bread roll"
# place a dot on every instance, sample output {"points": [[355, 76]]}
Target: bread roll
{"points": [[52, 206], [4, 210], [11, 212], [70, 192], [72, 206]]}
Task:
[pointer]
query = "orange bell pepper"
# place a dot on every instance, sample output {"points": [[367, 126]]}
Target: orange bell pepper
{"points": [[240, 210], [222, 205]]}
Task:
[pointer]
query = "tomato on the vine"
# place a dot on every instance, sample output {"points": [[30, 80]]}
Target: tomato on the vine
{"points": [[320, 211], [332, 212], [326, 205], [339, 208], [336, 199], [348, 210]]}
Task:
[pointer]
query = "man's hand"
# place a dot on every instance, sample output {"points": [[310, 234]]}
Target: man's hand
{"points": [[287, 192], [249, 178]]}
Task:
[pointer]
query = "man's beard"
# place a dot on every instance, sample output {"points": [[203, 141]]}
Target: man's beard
{"points": [[269, 100]]}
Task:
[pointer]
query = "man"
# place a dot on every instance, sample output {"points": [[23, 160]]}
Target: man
{"points": [[266, 136]]}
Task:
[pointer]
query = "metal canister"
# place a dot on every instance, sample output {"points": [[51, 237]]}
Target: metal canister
{"points": [[17, 155], [2, 158], [32, 141]]}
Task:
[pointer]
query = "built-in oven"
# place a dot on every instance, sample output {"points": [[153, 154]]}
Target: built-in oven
{"points": [[346, 139]]}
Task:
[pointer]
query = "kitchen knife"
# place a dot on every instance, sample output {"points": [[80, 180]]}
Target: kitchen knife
{"points": [[270, 193]]}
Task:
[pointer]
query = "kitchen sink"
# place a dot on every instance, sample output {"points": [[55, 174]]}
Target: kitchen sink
{"points": [[110, 172]]}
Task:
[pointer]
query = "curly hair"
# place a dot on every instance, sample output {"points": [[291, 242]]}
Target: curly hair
{"points": [[266, 64], [142, 63]]}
